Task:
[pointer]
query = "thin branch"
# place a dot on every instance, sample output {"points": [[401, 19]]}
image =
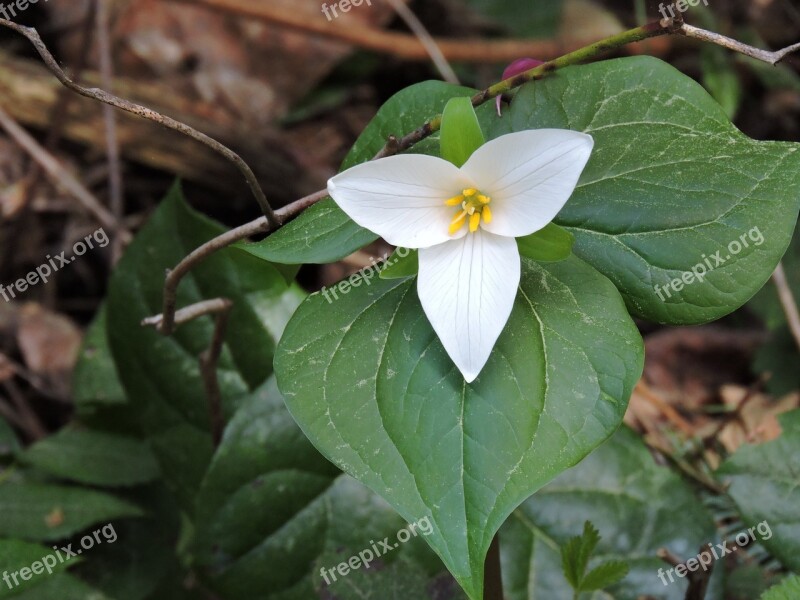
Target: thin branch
{"points": [[165, 323], [60, 176], [208, 370], [110, 118], [426, 39], [147, 113], [400, 45], [788, 302], [766, 56]]}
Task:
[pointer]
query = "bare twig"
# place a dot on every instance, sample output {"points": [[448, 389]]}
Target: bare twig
{"points": [[220, 308], [788, 302], [766, 56], [426, 39], [208, 370], [147, 113], [110, 119], [166, 322], [60, 175], [63, 102]]}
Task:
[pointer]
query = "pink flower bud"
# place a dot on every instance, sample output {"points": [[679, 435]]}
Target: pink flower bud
{"points": [[515, 68]]}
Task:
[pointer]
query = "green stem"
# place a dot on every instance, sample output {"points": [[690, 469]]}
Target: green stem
{"points": [[651, 30]]}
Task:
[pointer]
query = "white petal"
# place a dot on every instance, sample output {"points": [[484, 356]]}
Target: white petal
{"points": [[467, 289], [401, 198], [529, 175]]}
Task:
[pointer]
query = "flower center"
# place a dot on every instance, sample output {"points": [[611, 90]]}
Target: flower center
{"points": [[473, 204]]}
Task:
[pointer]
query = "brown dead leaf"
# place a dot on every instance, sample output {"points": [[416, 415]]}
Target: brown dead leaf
{"points": [[49, 343], [757, 420]]}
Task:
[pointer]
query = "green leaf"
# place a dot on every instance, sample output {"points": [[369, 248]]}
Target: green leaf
{"points": [[95, 384], [606, 575], [323, 233], [460, 133], [270, 506], [671, 183], [16, 555], [162, 374], [43, 512], [576, 552], [93, 458], [788, 589], [372, 387], [550, 244], [765, 485], [638, 506], [400, 267]]}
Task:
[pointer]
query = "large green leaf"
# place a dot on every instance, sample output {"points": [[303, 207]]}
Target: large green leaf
{"points": [[161, 375], [671, 181], [371, 386], [44, 512], [324, 233], [765, 485], [638, 506], [273, 512], [94, 458]]}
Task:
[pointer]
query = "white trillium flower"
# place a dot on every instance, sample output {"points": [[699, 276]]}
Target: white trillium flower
{"points": [[464, 221]]}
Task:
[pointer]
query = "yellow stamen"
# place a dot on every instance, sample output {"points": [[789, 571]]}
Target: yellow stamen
{"points": [[457, 222], [473, 204], [474, 221]]}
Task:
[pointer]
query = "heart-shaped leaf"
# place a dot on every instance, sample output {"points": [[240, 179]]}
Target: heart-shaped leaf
{"points": [[274, 515], [371, 386], [671, 186]]}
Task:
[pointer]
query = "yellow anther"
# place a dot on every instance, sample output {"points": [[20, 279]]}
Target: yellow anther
{"points": [[457, 222], [474, 207], [474, 221]]}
